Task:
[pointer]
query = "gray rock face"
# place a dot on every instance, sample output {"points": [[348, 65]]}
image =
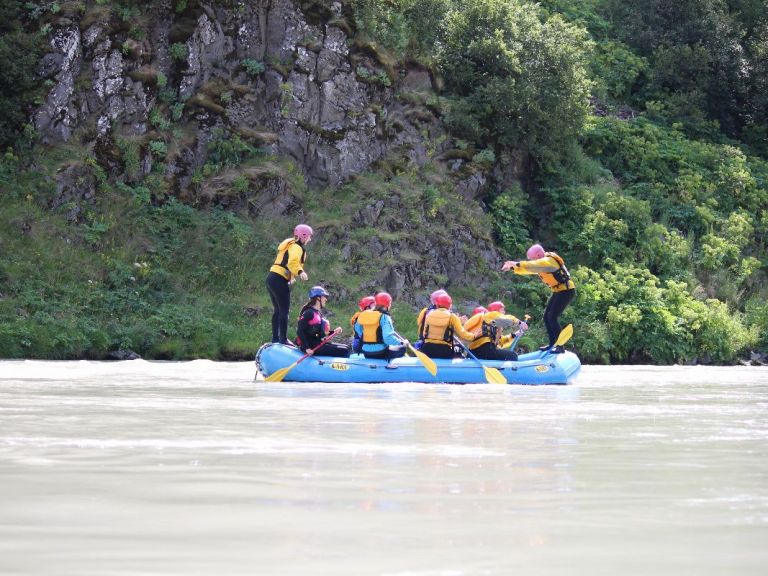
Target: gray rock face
{"points": [[320, 100], [58, 117], [309, 95]]}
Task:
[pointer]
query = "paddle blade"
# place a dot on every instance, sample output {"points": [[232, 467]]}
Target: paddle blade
{"points": [[494, 376], [565, 335], [429, 364], [278, 375]]}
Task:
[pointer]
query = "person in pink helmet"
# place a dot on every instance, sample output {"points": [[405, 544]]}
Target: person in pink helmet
{"points": [[288, 265], [423, 315], [550, 267]]}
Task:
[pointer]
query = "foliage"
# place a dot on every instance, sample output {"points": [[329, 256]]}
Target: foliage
{"points": [[253, 67], [510, 221], [659, 204], [522, 82], [630, 316], [19, 84], [706, 59]]}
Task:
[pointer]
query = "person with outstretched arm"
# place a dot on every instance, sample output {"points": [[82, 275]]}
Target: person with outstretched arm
{"points": [[288, 265], [550, 267]]}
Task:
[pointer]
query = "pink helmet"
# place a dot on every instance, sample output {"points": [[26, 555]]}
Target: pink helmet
{"points": [[496, 306], [479, 309], [435, 294], [383, 299], [365, 302], [444, 300], [303, 232], [535, 252]]}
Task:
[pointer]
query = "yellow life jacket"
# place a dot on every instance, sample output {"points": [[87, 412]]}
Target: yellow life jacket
{"points": [[486, 330], [421, 318], [560, 279], [475, 324], [354, 319], [370, 320], [437, 327], [280, 265]]}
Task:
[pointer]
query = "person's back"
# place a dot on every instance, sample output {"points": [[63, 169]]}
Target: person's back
{"points": [[376, 331], [366, 303], [440, 327], [489, 343]]}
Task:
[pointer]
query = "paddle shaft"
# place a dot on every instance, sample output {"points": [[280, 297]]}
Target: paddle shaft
{"points": [[425, 360], [520, 332], [491, 374], [278, 375], [323, 342]]}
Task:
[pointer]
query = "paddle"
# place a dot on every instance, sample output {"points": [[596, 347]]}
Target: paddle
{"points": [[428, 363], [278, 375], [520, 332], [565, 335], [492, 375]]}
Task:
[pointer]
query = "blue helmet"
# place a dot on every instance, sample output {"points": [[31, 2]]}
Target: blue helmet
{"points": [[317, 291]]}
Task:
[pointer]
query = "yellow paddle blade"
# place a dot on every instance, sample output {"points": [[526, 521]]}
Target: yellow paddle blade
{"points": [[429, 364], [278, 375], [565, 335], [494, 376]]}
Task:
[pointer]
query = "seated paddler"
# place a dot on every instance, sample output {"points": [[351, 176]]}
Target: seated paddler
{"points": [[439, 328], [313, 327], [376, 332], [423, 314], [488, 329], [365, 303]]}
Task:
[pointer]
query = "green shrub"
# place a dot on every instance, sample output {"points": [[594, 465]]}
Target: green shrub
{"points": [[522, 81]]}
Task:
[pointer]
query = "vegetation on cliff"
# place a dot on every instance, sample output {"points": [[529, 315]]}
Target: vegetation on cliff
{"points": [[631, 138]]}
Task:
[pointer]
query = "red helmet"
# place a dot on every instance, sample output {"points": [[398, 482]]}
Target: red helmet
{"points": [[535, 252], [435, 294], [303, 232], [479, 309], [383, 299], [496, 306], [443, 300], [366, 301]]}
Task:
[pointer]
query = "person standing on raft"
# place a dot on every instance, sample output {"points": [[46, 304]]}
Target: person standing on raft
{"points": [[289, 264], [550, 267]]}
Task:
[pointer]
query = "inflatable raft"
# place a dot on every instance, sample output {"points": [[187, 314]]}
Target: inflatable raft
{"points": [[532, 368]]}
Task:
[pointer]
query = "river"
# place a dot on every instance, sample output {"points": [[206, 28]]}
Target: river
{"points": [[189, 468]]}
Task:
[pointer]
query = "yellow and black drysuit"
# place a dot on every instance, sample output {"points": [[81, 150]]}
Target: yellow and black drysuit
{"points": [[552, 271], [289, 263], [377, 335], [439, 328], [490, 342]]}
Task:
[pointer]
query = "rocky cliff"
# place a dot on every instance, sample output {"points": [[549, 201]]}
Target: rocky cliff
{"points": [[187, 93]]}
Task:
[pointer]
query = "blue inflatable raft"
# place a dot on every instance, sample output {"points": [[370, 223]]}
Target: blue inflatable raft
{"points": [[532, 368]]}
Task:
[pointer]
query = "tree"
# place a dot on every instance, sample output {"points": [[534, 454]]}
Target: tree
{"points": [[523, 82]]}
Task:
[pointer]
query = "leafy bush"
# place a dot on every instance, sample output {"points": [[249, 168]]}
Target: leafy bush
{"points": [[630, 316], [522, 81], [19, 84]]}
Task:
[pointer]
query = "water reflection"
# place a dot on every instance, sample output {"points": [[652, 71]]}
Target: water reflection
{"points": [[194, 468]]}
